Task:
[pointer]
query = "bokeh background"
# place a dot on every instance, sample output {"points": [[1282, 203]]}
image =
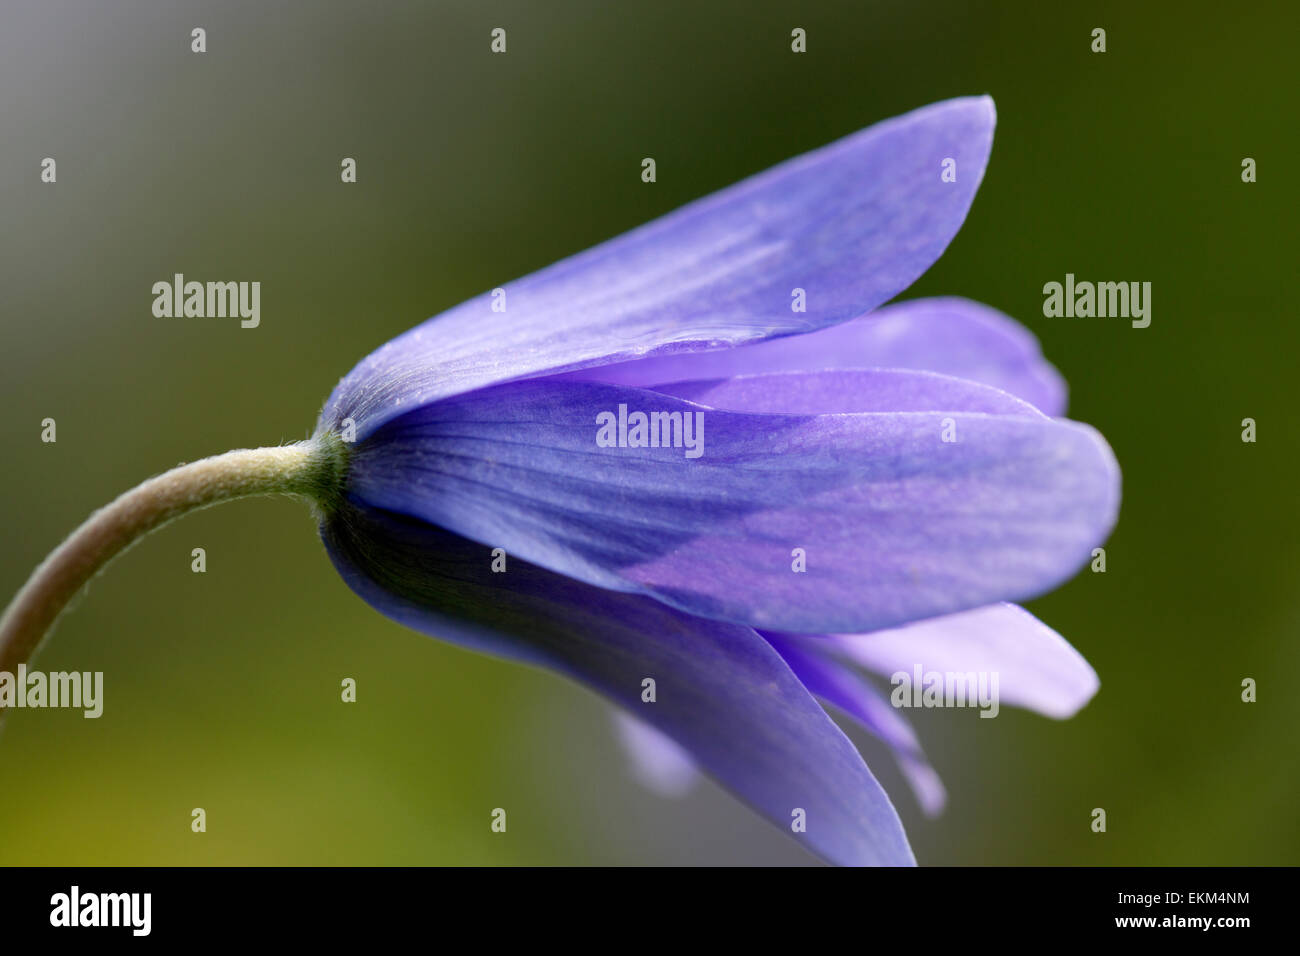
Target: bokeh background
{"points": [[222, 688]]}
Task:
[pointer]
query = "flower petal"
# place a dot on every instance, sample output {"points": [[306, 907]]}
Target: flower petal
{"points": [[852, 224], [849, 390], [722, 692], [897, 524], [660, 763], [827, 678], [1036, 667], [953, 336]]}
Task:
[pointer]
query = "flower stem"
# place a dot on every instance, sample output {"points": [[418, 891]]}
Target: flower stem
{"points": [[311, 469]]}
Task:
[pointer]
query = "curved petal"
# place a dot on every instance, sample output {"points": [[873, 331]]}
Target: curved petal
{"points": [[827, 678], [722, 692], [952, 336], [1036, 667], [660, 763], [895, 522], [852, 224], [849, 390]]}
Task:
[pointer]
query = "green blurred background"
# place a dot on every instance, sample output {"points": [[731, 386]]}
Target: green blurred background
{"points": [[222, 688]]}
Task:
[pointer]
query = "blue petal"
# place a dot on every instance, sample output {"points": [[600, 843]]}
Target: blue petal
{"points": [[1037, 668], [814, 662], [659, 762], [950, 335], [849, 390], [852, 224], [897, 524], [722, 692]]}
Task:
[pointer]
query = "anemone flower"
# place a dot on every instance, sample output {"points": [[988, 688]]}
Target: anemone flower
{"points": [[627, 469]]}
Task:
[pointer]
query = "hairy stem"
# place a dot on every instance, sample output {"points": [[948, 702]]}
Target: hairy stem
{"points": [[310, 469]]}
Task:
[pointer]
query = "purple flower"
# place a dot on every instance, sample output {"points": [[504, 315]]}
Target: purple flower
{"points": [[786, 513]]}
